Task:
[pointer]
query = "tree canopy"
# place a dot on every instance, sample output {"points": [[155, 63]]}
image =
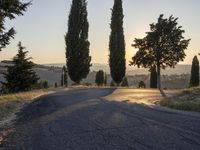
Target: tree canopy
{"points": [[117, 60], [77, 44], [20, 76], [163, 46], [9, 9]]}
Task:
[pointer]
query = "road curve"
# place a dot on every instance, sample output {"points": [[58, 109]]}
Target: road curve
{"points": [[83, 120]]}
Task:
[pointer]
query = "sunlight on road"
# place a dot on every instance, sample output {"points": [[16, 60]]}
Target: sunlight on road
{"points": [[140, 96]]}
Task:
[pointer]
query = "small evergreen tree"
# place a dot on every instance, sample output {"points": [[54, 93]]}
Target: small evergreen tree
{"points": [[194, 79], [77, 44], [9, 9], [64, 77], [55, 85], [99, 78], [112, 84], [153, 78], [117, 60], [20, 76], [141, 84], [125, 82]]}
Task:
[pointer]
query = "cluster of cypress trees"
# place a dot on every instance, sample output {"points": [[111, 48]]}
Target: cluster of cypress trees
{"points": [[77, 44]]}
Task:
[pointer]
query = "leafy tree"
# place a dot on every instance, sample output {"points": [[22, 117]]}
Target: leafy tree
{"points": [[64, 77], [141, 84], [99, 78], [20, 75], [153, 78], [162, 47], [77, 44], [194, 79], [117, 59], [9, 9], [125, 82]]}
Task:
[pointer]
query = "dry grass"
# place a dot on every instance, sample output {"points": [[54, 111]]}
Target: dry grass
{"points": [[188, 100], [11, 102]]}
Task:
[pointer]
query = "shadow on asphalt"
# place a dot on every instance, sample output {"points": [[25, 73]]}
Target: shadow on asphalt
{"points": [[83, 120]]}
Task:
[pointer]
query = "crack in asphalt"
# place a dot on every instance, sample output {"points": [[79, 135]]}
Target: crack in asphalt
{"points": [[85, 121]]}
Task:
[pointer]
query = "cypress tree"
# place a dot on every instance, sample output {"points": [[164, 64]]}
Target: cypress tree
{"points": [[194, 79], [105, 79], [112, 84], [141, 84], [125, 82], [117, 59], [77, 44], [64, 77], [153, 78], [99, 78], [9, 9], [20, 75]]}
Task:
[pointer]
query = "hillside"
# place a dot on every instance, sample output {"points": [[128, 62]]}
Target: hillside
{"points": [[173, 78]]}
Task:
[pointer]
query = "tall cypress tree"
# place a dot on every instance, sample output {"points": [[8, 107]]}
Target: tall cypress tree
{"points": [[153, 78], [117, 59], [77, 44], [64, 77], [9, 9], [194, 79], [20, 76]]}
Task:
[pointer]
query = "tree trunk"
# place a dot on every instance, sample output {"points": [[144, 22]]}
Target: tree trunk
{"points": [[159, 81]]}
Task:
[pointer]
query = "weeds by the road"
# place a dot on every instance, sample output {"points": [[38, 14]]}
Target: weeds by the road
{"points": [[11, 102], [188, 100]]}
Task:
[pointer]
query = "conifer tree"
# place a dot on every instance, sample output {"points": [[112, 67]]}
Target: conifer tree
{"points": [[117, 59], [105, 79], [64, 77], [20, 75], [112, 84], [153, 77], [125, 82], [99, 78], [9, 9], [194, 79], [77, 44]]}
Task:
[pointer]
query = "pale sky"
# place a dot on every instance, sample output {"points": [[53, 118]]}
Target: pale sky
{"points": [[42, 28]]}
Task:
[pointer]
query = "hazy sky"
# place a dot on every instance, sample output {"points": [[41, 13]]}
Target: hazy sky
{"points": [[44, 25]]}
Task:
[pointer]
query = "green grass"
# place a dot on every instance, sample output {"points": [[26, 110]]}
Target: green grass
{"points": [[188, 100]]}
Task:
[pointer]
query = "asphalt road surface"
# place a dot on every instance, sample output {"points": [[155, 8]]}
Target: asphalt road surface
{"points": [[84, 120]]}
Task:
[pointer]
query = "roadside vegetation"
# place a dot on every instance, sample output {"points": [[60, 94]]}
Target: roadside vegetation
{"points": [[10, 103], [188, 100]]}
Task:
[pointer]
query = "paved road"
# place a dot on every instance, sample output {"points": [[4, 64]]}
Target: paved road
{"points": [[83, 120]]}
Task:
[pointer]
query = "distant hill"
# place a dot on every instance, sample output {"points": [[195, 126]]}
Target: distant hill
{"points": [[173, 78], [132, 70]]}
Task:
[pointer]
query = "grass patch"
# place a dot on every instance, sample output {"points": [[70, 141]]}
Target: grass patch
{"points": [[11, 102], [188, 100]]}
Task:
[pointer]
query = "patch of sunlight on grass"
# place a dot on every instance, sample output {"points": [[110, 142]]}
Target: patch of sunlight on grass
{"points": [[11, 102]]}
